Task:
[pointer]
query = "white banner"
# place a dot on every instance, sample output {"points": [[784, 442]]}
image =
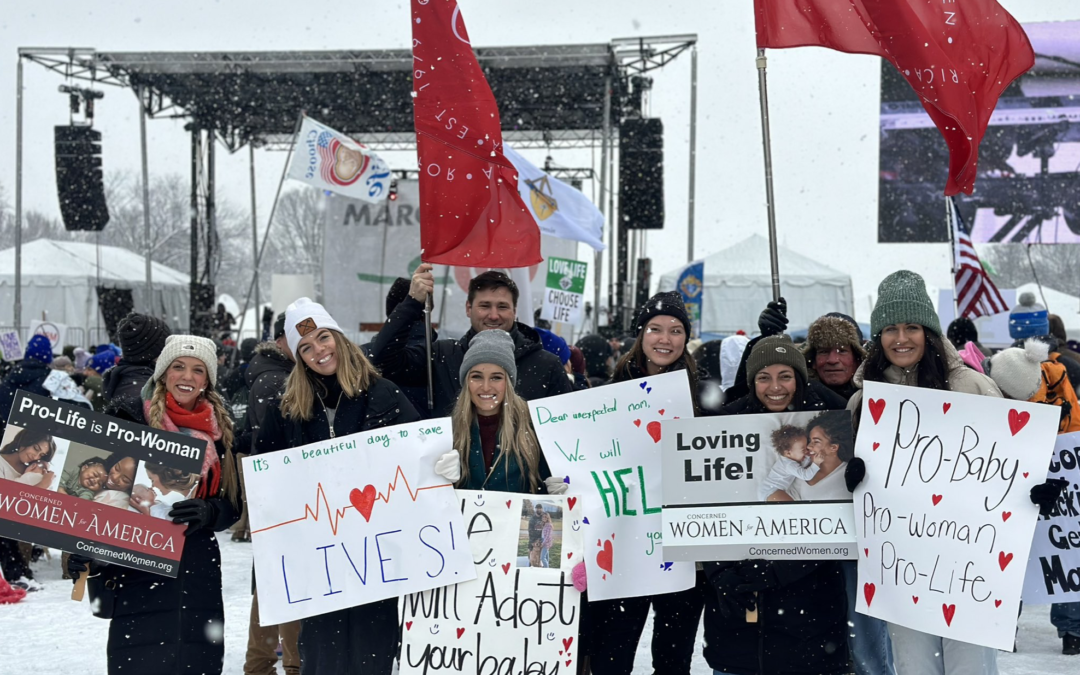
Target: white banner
{"points": [[559, 209], [1053, 568], [606, 440], [352, 520], [56, 332], [330, 160], [943, 517], [521, 613]]}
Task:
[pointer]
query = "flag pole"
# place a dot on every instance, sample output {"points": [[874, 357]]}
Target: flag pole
{"points": [[770, 203], [429, 306], [949, 220]]}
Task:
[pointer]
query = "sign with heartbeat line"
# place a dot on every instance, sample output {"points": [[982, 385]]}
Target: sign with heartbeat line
{"points": [[313, 556]]}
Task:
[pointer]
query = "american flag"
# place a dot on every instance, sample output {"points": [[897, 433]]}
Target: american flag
{"points": [[976, 294]]}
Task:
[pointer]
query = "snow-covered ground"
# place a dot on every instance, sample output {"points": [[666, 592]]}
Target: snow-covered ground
{"points": [[74, 641]]}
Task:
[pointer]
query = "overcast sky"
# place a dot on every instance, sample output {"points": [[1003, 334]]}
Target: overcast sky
{"points": [[824, 109]]}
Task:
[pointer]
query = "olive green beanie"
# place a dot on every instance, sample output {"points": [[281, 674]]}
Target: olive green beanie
{"points": [[771, 351], [902, 298]]}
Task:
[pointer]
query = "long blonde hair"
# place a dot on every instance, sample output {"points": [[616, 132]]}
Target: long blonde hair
{"points": [[354, 373], [230, 484], [516, 436]]}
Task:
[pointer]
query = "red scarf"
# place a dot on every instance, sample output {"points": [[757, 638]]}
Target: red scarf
{"points": [[199, 423]]}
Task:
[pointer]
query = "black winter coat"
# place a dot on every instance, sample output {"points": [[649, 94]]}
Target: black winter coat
{"points": [[540, 373], [265, 377], [122, 387], [815, 396], [28, 375], [162, 625]]}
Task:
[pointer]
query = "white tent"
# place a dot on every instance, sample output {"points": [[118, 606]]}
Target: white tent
{"points": [[62, 277], [738, 285]]}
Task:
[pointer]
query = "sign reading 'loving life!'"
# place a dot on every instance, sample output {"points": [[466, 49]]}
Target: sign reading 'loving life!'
{"points": [[944, 516], [354, 519], [521, 613], [607, 442], [1053, 570]]}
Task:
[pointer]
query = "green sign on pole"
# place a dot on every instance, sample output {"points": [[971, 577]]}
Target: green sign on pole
{"points": [[564, 292]]}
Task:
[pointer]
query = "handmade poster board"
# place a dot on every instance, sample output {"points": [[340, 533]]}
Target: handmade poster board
{"points": [[1053, 567]]}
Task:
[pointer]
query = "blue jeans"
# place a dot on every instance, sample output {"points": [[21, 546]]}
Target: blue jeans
{"points": [[544, 559], [918, 653], [868, 638], [1066, 618]]}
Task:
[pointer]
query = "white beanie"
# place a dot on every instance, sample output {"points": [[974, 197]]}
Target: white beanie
{"points": [[177, 346], [1017, 371], [303, 317]]}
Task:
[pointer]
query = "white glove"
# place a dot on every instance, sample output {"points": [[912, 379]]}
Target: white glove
{"points": [[555, 485], [449, 466]]}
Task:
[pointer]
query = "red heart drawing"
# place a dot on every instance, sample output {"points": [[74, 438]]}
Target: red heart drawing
{"points": [[598, 543], [661, 412], [876, 446], [603, 558], [570, 502], [1005, 515], [1004, 560], [363, 500], [876, 408], [569, 555], [654, 430], [460, 632], [868, 591], [1025, 474], [408, 625], [866, 552], [945, 407], [560, 652], [566, 642], [948, 611], [568, 663], [1017, 420], [508, 503], [915, 599], [997, 603], [935, 499], [506, 568], [637, 423]]}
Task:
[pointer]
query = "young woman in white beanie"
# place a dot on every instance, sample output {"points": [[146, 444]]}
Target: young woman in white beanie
{"points": [[181, 621], [335, 391]]}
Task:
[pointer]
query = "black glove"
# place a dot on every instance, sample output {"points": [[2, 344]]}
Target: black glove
{"points": [[854, 473], [77, 565], [197, 513], [1045, 495], [732, 603], [758, 575], [773, 319]]}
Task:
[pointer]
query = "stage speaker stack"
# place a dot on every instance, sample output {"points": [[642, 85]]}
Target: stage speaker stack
{"points": [[78, 178], [641, 174]]}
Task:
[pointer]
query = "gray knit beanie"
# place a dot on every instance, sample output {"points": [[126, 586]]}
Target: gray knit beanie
{"points": [[771, 351], [490, 346], [902, 298]]}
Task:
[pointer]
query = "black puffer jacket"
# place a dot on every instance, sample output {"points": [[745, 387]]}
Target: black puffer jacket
{"points": [[815, 396], [122, 387], [28, 375], [265, 377], [540, 373]]}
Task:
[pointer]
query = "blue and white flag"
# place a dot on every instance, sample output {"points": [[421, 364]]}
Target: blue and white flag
{"points": [[691, 286], [558, 209], [330, 160]]}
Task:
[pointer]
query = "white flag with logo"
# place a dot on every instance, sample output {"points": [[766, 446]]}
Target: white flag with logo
{"points": [[329, 160], [559, 209]]}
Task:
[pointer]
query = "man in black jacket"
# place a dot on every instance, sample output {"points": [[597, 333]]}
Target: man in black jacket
{"points": [[492, 303], [141, 337]]}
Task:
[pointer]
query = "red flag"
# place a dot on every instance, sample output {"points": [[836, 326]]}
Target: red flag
{"points": [[470, 211], [957, 56]]}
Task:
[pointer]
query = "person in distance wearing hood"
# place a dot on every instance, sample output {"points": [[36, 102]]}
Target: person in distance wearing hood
{"points": [[142, 337]]}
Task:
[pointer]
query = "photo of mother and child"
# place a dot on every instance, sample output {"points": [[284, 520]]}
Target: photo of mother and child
{"points": [[812, 451]]}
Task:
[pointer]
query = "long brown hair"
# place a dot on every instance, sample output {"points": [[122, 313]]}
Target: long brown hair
{"points": [[516, 436], [354, 374], [635, 360]]}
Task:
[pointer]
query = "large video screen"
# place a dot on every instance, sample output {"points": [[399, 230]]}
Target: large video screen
{"points": [[1028, 185]]}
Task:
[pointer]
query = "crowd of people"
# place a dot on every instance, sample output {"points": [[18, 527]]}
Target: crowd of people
{"points": [[308, 382]]}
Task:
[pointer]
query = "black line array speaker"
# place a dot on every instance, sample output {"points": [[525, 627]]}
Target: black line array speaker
{"points": [[115, 304], [78, 178], [641, 174], [201, 298]]}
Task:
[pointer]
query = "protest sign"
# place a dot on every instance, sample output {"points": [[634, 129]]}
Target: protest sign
{"points": [[54, 331], [354, 519], [1053, 568], [607, 442], [758, 486], [564, 293], [91, 484], [521, 613], [11, 346], [944, 517]]}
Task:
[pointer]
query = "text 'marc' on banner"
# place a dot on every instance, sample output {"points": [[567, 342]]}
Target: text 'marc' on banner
{"points": [[521, 613], [1053, 567], [87, 483], [564, 291], [944, 515], [758, 486]]}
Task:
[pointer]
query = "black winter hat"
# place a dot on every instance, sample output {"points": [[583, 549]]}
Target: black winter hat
{"points": [[247, 349], [142, 337], [279, 326], [399, 290], [665, 303]]}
